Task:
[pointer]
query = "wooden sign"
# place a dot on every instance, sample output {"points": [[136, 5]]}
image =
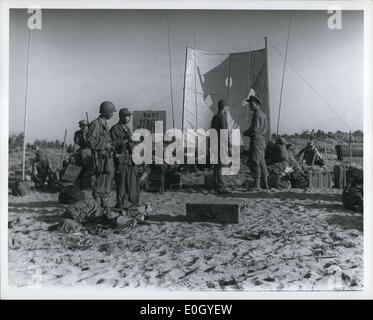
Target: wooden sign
{"points": [[147, 119]]}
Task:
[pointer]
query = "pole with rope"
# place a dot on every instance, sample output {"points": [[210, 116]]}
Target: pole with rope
{"points": [[267, 90], [170, 69], [283, 76], [26, 108], [195, 71], [311, 87]]}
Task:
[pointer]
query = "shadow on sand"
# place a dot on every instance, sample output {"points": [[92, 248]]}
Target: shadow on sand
{"points": [[35, 204], [167, 218], [352, 221], [283, 195]]}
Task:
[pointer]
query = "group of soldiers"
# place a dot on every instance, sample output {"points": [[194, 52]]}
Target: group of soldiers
{"points": [[107, 154], [260, 158], [110, 150]]}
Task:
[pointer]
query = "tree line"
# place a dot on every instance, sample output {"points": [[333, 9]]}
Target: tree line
{"points": [[16, 140]]}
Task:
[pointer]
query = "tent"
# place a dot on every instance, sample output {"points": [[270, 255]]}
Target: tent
{"points": [[210, 77]]}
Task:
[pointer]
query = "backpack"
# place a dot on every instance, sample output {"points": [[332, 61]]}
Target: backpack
{"points": [[352, 197]]}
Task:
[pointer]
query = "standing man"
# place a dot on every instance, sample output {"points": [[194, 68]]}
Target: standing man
{"points": [[80, 136], [83, 153], [219, 122], [99, 140], [126, 176], [257, 133]]}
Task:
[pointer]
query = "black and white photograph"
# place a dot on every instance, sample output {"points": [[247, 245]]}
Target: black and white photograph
{"points": [[186, 150]]}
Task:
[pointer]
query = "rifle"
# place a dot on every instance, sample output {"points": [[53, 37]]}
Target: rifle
{"points": [[63, 149]]}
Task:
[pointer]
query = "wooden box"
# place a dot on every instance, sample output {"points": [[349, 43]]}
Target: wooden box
{"points": [[340, 179], [156, 182], [71, 173], [172, 181], [227, 212], [209, 181], [320, 179]]}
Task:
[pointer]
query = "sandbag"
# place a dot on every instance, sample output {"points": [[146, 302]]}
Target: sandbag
{"points": [[298, 180], [354, 176], [21, 188], [68, 226], [281, 182], [70, 195], [84, 211], [352, 197]]}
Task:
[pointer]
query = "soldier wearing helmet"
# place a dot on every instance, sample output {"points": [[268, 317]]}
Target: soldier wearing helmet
{"points": [[126, 177], [99, 140], [80, 136]]}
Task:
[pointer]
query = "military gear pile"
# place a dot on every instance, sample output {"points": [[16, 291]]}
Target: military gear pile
{"points": [[352, 196], [70, 194]]}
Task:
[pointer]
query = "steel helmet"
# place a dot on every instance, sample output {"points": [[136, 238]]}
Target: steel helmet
{"points": [[107, 108]]}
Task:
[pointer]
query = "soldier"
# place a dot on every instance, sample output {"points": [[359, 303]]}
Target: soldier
{"points": [[284, 153], [311, 155], [80, 136], [219, 122], [257, 133], [126, 176], [99, 140], [42, 169]]}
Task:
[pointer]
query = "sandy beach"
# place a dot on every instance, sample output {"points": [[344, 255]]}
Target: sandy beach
{"points": [[293, 240]]}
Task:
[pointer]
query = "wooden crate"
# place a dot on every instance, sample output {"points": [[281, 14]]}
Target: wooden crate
{"points": [[156, 182], [227, 212], [172, 181], [340, 178], [209, 181], [320, 179], [71, 173], [343, 151]]}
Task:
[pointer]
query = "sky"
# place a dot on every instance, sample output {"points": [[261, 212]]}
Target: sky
{"points": [[82, 57]]}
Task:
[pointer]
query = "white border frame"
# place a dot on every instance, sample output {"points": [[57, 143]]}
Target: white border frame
{"points": [[92, 293]]}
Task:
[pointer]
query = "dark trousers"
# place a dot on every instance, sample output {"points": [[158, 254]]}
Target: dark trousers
{"points": [[258, 169], [127, 185], [218, 179], [104, 181]]}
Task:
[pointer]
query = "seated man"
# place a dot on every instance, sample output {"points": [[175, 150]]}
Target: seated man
{"points": [[42, 169], [310, 155], [298, 177]]}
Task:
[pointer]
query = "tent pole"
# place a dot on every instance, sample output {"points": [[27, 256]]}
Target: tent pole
{"points": [[182, 116], [229, 78], [170, 69], [63, 149], [283, 75], [349, 146], [195, 72], [26, 108], [267, 93]]}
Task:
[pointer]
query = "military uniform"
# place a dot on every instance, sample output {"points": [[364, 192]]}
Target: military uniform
{"points": [[99, 140], [219, 122], [257, 133], [126, 176], [42, 169], [311, 155], [80, 138]]}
